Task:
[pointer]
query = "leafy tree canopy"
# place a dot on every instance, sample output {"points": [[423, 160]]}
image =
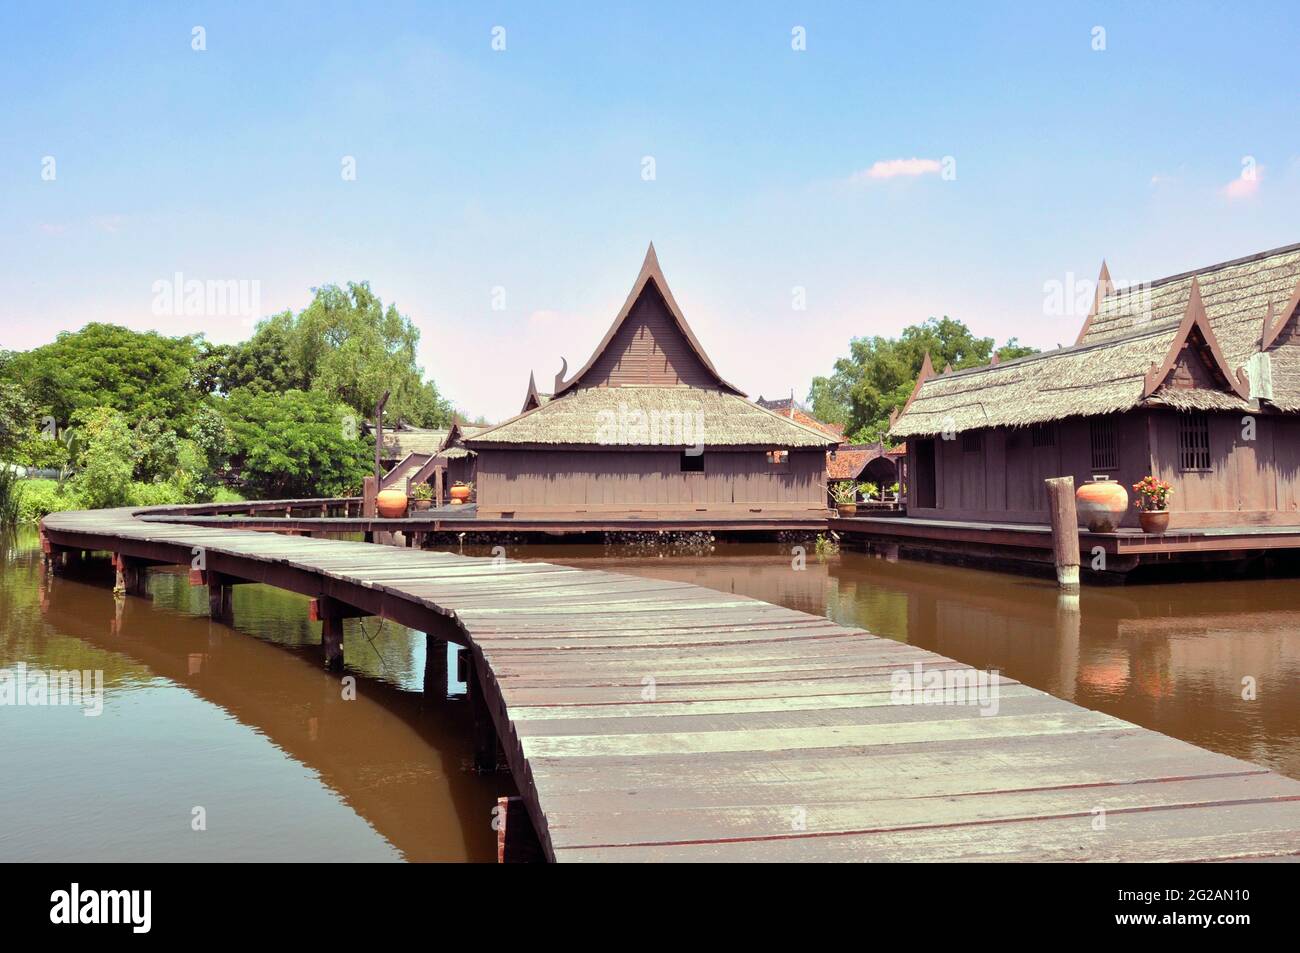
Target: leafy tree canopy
{"points": [[878, 374], [103, 365], [345, 344], [295, 444]]}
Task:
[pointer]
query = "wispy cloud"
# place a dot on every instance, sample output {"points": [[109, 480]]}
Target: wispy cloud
{"points": [[898, 168], [1244, 186]]}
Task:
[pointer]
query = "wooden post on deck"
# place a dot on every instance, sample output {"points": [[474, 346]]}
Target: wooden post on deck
{"points": [[437, 486], [369, 490], [1065, 530]]}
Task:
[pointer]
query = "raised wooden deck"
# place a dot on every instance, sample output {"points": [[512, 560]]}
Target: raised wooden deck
{"points": [[1032, 542], [654, 720]]}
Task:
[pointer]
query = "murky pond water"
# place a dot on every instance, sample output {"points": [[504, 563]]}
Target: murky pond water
{"points": [[242, 728], [241, 723]]}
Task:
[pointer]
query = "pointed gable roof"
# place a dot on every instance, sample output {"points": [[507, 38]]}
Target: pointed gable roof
{"points": [[1273, 329], [1195, 330], [533, 398], [649, 282]]}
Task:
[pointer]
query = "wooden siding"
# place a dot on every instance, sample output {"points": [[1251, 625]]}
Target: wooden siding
{"points": [[568, 481], [649, 349], [1248, 483]]}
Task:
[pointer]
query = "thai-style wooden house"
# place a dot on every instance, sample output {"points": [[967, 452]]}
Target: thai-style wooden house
{"points": [[1194, 378], [649, 428]]}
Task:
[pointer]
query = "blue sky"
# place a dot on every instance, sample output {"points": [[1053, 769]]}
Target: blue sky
{"points": [[522, 169]]}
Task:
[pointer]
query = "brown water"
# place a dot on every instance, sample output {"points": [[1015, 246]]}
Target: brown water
{"points": [[244, 723]]}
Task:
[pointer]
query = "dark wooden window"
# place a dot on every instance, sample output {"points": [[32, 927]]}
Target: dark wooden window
{"points": [[972, 441], [1105, 446], [692, 462], [778, 457], [1043, 435], [1193, 442]]}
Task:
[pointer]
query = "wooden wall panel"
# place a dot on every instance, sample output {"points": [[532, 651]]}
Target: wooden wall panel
{"points": [[648, 480], [649, 348]]}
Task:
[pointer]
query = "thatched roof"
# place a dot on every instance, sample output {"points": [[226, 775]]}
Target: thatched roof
{"points": [[1127, 349], [651, 416], [400, 443]]}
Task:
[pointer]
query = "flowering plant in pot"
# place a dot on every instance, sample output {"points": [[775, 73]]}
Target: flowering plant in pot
{"points": [[845, 495], [1153, 503], [421, 496]]}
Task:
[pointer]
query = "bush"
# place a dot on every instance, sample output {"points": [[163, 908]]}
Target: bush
{"points": [[106, 461], [39, 498], [157, 494]]}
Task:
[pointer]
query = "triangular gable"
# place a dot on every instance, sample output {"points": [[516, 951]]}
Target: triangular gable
{"points": [[533, 398], [1104, 287], [632, 341], [1273, 328], [1194, 337], [926, 372]]}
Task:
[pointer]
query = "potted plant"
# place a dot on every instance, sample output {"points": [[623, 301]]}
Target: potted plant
{"points": [[1153, 504], [460, 492], [869, 491], [421, 496], [845, 495]]}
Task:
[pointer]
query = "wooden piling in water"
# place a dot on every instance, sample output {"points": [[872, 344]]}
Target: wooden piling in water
{"points": [[1065, 530]]}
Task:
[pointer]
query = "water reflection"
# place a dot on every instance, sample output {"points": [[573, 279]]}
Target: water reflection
{"points": [[1172, 657], [244, 724]]}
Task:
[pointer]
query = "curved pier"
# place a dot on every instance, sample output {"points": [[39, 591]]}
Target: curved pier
{"points": [[654, 720]]}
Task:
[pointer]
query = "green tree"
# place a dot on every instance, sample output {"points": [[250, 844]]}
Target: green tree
{"points": [[295, 444], [103, 365], [106, 459], [878, 374]]}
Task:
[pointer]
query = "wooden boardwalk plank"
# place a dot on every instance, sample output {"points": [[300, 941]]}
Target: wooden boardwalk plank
{"points": [[648, 719]]}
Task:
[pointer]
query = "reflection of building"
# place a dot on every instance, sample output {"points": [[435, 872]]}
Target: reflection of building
{"points": [[1194, 378], [647, 427]]}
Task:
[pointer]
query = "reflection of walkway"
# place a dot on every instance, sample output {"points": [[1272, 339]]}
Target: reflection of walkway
{"points": [[379, 751], [649, 719]]}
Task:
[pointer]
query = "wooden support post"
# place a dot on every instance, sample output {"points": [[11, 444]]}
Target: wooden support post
{"points": [[132, 576], [369, 490], [331, 642], [517, 841], [435, 668], [484, 731], [220, 596], [330, 613], [438, 481], [1065, 530]]}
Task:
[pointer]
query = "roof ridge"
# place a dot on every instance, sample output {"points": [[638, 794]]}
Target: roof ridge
{"points": [[1245, 259]]}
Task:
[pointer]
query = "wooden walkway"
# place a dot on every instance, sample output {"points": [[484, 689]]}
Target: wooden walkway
{"points": [[655, 720]]}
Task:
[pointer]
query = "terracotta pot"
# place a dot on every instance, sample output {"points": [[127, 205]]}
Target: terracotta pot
{"points": [[1154, 521], [459, 494], [1102, 504], [846, 509], [421, 505], [391, 504]]}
